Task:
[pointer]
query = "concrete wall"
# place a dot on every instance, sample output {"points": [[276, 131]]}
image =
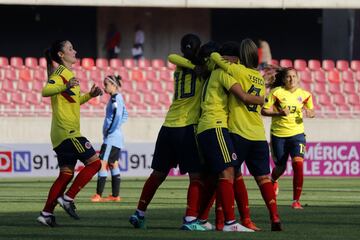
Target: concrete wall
{"points": [[163, 28], [37, 130]]}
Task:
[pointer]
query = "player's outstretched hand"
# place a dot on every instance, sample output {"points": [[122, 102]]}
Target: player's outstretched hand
{"points": [[95, 91], [72, 82]]}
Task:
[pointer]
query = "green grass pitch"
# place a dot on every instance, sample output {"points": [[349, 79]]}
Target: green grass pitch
{"points": [[332, 211]]}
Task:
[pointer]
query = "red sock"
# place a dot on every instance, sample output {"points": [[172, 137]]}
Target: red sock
{"points": [[298, 177], [268, 195], [241, 197], [207, 198], [225, 190], [219, 214], [84, 176], [148, 191], [56, 190], [193, 197]]}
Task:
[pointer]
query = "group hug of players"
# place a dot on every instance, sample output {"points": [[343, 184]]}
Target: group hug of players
{"points": [[214, 124]]}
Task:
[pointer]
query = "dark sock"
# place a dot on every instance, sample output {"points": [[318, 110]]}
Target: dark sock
{"points": [[115, 185], [100, 185]]}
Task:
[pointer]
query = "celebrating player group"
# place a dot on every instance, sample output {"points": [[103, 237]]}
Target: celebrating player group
{"points": [[213, 125]]}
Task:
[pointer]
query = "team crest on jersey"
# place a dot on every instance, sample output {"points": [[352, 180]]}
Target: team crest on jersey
{"points": [[234, 156], [300, 99], [88, 145]]}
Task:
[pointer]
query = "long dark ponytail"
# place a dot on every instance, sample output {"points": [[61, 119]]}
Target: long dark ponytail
{"points": [[51, 54]]}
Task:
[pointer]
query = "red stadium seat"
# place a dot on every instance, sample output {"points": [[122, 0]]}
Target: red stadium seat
{"points": [[37, 86], [144, 63], [320, 76], [115, 63], [348, 76], [305, 76], [274, 62], [169, 87], [334, 88], [339, 99], [342, 65], [40, 74], [127, 86], [31, 62], [314, 65], [152, 76], [42, 62], [286, 63], [87, 63], [102, 63], [353, 99], [16, 62], [17, 98], [137, 75], [96, 76], [149, 98], [4, 62], [306, 86], [300, 64], [355, 65], [157, 63], [320, 88], [349, 88], [124, 73], [81, 75], [32, 98], [142, 87], [25, 74], [164, 99], [334, 76], [10, 73], [4, 98], [157, 87], [23, 86], [129, 63], [8, 86], [135, 98], [328, 64], [170, 66], [166, 75]]}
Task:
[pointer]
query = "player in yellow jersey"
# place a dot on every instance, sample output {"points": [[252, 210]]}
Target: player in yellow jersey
{"points": [[286, 104], [176, 143], [67, 141], [213, 136], [248, 133]]}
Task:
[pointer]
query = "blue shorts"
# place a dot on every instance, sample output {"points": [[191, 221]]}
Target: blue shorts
{"points": [[282, 147], [109, 153], [254, 153], [72, 149], [217, 149], [177, 146]]}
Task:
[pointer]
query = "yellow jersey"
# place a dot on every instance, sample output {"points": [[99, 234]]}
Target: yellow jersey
{"points": [[65, 104], [214, 101], [244, 120], [185, 107], [279, 98]]}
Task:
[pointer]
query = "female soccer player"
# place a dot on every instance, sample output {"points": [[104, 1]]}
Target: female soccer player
{"points": [[176, 143], [286, 103], [213, 135], [67, 141], [248, 133], [116, 115]]}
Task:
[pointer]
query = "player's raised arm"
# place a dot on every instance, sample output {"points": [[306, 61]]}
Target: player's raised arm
{"points": [[246, 98]]}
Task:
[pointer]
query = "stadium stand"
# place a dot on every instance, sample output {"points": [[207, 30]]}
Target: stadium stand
{"points": [[147, 85]]}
